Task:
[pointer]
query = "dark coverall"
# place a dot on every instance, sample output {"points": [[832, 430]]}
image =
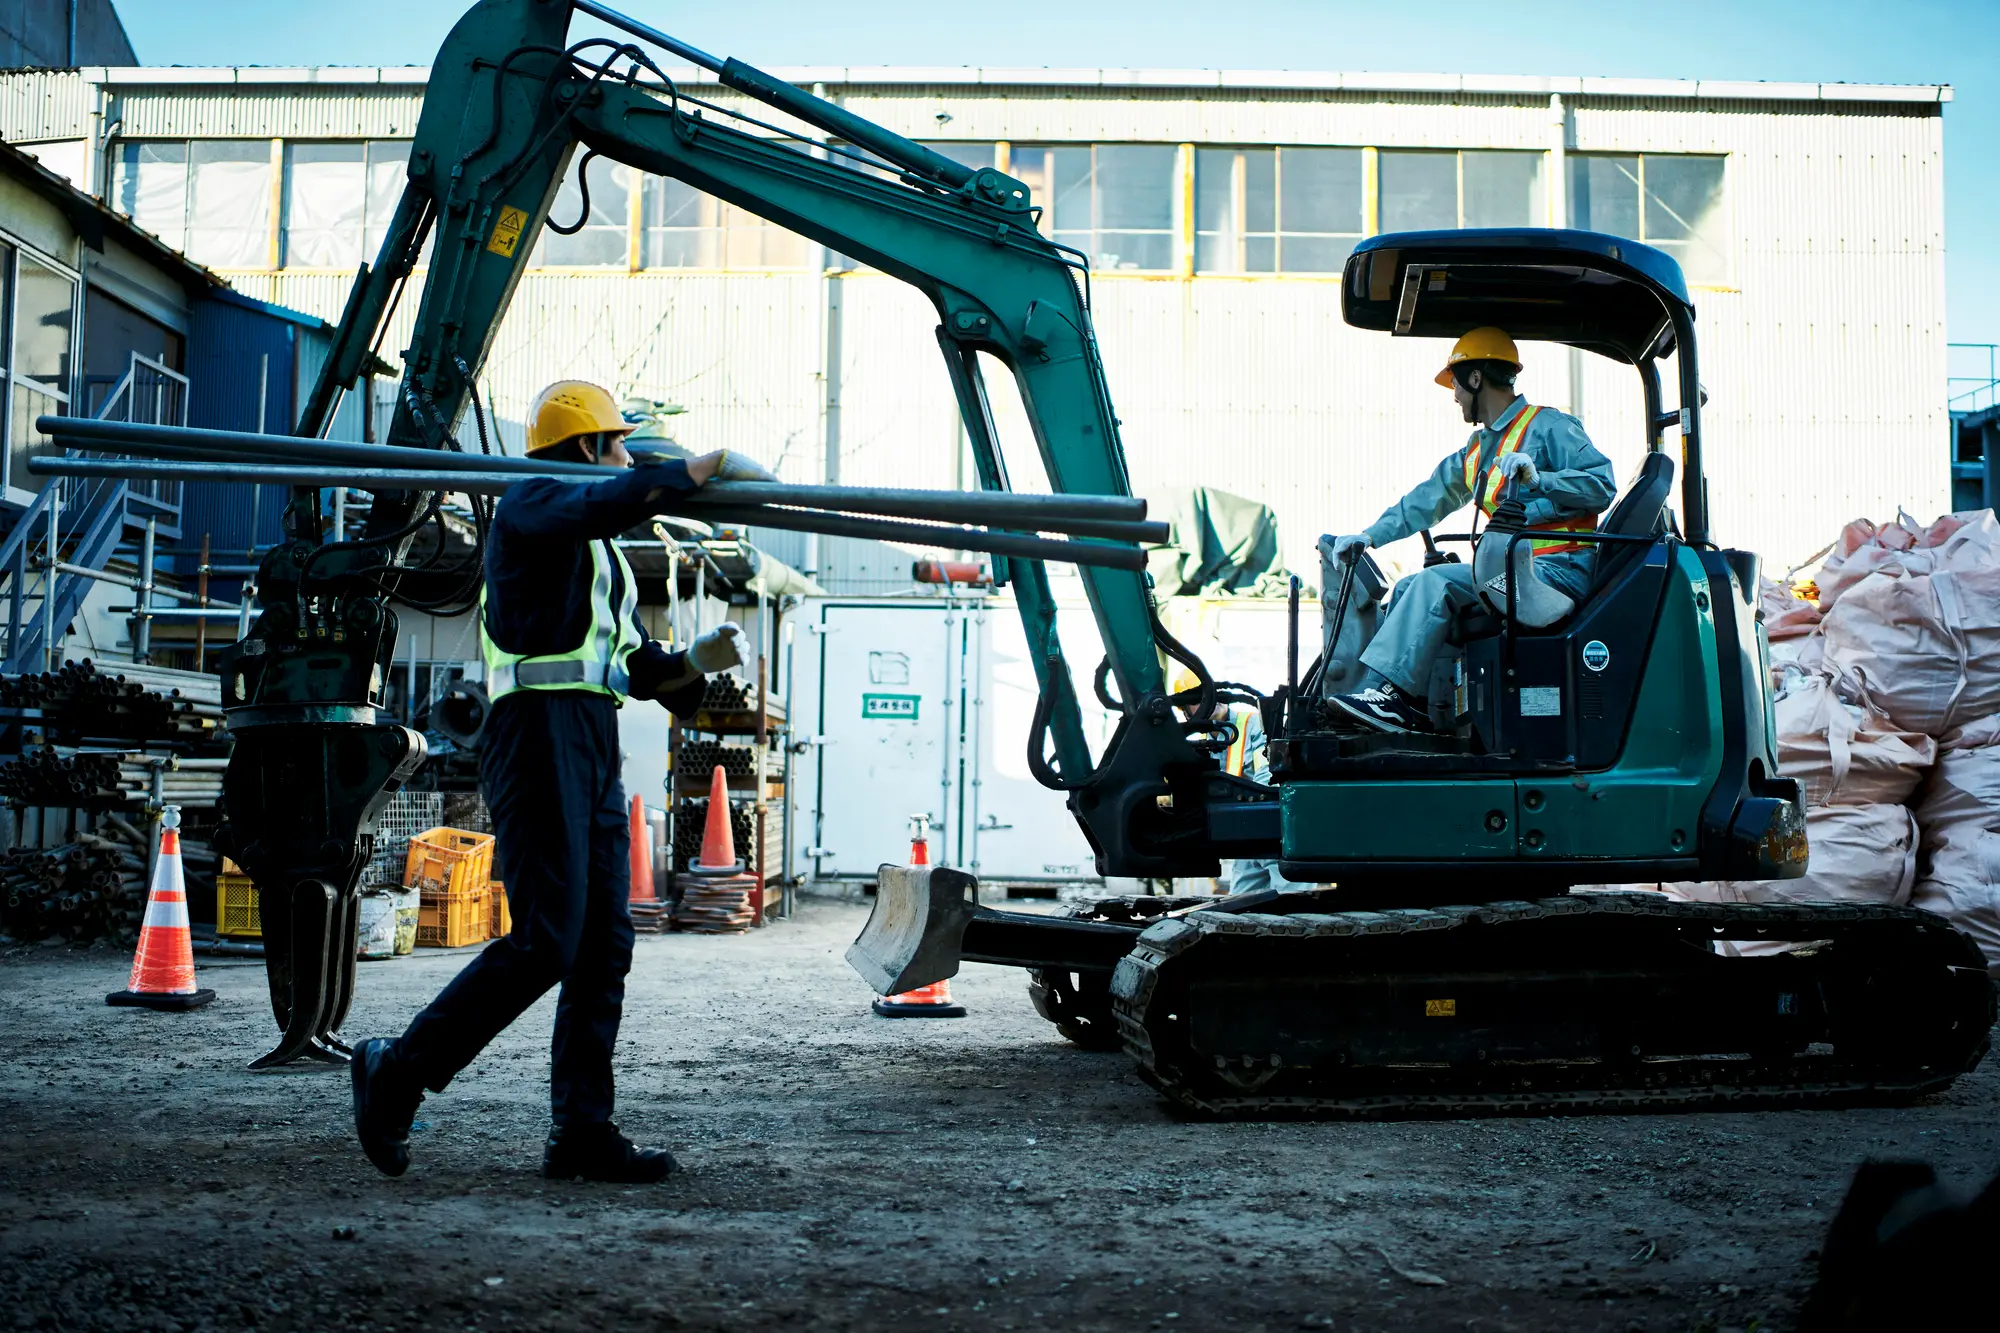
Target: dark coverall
{"points": [[549, 767]]}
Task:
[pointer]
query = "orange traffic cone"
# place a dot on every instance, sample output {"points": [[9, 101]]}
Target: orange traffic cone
{"points": [[642, 855], [934, 1000], [716, 897], [718, 842], [163, 967]]}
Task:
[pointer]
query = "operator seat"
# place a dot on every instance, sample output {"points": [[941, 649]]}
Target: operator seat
{"points": [[1640, 512]]}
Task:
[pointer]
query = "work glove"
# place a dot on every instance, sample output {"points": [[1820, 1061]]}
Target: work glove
{"points": [[741, 467], [1347, 550], [1521, 468], [717, 650]]}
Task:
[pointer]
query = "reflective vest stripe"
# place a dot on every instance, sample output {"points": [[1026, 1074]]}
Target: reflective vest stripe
{"points": [[598, 663], [1489, 494], [1232, 762]]}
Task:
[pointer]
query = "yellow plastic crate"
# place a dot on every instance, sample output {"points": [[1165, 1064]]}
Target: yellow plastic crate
{"points": [[503, 918], [236, 908], [449, 920], [449, 860]]}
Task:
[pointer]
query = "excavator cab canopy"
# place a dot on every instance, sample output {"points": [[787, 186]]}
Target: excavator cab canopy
{"points": [[1604, 294]]}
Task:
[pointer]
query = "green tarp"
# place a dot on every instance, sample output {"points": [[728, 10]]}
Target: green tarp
{"points": [[1217, 543]]}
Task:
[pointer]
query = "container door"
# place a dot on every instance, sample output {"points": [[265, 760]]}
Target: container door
{"points": [[1021, 831], [884, 682]]}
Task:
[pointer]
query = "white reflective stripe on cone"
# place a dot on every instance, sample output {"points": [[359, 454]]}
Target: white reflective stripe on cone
{"points": [[167, 908]]}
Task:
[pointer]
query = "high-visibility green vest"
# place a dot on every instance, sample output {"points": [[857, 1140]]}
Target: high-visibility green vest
{"points": [[598, 663]]}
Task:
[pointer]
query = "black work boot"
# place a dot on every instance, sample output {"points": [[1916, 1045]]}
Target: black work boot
{"points": [[600, 1152], [385, 1104]]}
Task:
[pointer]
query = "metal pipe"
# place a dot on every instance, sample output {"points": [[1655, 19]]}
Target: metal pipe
{"points": [[201, 599], [963, 506], [49, 589], [122, 580], [142, 620], [942, 506], [948, 538]]}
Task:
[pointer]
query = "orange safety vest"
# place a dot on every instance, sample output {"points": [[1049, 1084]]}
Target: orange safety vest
{"points": [[1488, 495]]}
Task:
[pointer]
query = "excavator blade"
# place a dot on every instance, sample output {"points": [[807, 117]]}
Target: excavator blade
{"points": [[914, 935]]}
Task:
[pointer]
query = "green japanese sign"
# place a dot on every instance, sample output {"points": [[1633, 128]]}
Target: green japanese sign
{"points": [[902, 707]]}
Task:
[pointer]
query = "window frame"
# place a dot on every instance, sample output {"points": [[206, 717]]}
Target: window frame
{"points": [[1179, 205], [1239, 200], [1727, 210], [1544, 169], [64, 394]]}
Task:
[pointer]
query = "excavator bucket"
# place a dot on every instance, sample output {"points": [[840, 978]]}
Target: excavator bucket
{"points": [[914, 934]]}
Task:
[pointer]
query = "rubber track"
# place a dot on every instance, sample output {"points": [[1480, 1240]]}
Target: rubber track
{"points": [[1170, 941]]}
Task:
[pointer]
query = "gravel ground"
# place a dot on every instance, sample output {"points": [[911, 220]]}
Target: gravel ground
{"points": [[842, 1170]]}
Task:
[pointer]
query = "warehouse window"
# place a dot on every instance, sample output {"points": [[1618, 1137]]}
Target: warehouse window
{"points": [[602, 241], [1433, 191], [1276, 210], [37, 341], [1114, 202], [209, 198], [685, 228], [339, 198], [1669, 201]]}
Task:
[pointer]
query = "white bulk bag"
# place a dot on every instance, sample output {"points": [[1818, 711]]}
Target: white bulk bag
{"points": [[1959, 815], [1843, 753]]}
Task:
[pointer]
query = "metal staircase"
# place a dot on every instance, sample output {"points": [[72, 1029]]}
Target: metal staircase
{"points": [[59, 546]]}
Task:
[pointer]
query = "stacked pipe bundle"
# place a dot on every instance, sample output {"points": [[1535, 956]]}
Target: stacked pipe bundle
{"points": [[83, 890], [93, 779], [701, 758], [123, 701], [691, 817], [728, 694]]}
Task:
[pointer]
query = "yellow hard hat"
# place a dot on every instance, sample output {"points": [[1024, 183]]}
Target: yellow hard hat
{"points": [[1484, 344], [1180, 680], [569, 408]]}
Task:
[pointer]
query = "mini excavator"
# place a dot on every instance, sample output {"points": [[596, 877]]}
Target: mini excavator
{"points": [[1441, 965]]}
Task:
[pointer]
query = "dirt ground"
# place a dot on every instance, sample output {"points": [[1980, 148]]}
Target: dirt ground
{"points": [[846, 1171]]}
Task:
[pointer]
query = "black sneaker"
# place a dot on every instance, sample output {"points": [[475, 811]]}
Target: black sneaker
{"points": [[600, 1152], [385, 1105], [1385, 709]]}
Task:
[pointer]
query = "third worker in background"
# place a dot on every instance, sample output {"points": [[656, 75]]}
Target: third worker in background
{"points": [[1565, 483]]}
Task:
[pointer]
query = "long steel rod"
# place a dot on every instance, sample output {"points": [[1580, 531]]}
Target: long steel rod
{"points": [[181, 442], [730, 504], [944, 537]]}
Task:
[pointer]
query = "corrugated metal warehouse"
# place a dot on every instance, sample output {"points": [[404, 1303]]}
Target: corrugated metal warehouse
{"points": [[1218, 208]]}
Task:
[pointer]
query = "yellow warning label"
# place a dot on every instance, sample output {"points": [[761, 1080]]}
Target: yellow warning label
{"points": [[507, 231], [1440, 1008]]}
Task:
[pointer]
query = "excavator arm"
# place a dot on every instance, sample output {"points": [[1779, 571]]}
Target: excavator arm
{"points": [[511, 101]]}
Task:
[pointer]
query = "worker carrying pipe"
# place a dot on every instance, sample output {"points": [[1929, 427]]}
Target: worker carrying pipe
{"points": [[1540, 450], [563, 647]]}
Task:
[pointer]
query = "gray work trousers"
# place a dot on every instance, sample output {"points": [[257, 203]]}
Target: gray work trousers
{"points": [[1413, 633]]}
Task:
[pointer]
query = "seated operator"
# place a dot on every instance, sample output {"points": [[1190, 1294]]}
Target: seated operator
{"points": [[1568, 483]]}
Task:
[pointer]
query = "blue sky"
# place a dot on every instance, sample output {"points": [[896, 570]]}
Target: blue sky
{"points": [[1911, 41]]}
